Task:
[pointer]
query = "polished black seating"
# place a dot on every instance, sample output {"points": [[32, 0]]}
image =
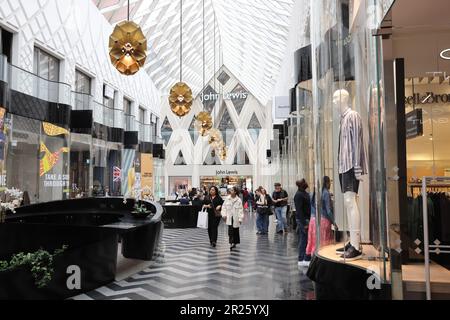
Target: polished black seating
{"points": [[91, 228]]}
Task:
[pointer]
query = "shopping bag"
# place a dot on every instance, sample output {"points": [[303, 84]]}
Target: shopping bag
{"points": [[202, 220]]}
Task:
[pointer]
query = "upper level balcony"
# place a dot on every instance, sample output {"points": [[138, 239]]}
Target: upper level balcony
{"points": [[28, 83], [82, 101], [144, 132], [107, 116]]}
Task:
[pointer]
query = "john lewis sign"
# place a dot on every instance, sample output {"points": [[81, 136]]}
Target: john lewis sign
{"points": [[241, 95]]}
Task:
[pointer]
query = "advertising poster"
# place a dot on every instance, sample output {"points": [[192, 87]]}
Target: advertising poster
{"points": [[128, 172], [3, 145], [147, 173], [53, 158]]}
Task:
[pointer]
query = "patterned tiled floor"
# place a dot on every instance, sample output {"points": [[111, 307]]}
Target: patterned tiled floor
{"points": [[263, 267]]}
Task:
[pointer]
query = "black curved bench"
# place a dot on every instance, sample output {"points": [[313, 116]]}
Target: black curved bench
{"points": [[91, 228]]}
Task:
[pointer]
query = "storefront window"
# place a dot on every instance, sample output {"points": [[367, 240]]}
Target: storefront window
{"points": [[80, 165], [349, 176], [179, 186], [37, 159], [159, 179], [106, 158]]}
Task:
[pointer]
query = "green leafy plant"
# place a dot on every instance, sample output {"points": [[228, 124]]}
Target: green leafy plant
{"points": [[40, 263], [140, 210]]}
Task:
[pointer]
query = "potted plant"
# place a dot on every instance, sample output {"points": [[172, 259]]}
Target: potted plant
{"points": [[140, 211], [39, 264]]}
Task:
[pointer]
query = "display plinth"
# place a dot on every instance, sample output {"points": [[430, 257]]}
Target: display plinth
{"points": [[337, 280]]}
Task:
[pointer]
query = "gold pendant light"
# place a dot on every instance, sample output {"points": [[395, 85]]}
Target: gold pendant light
{"points": [[203, 123], [215, 138], [128, 47], [180, 98], [223, 151]]}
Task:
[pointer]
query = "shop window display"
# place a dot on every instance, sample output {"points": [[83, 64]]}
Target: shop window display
{"points": [[179, 186], [106, 156], [37, 159], [347, 118], [80, 165]]}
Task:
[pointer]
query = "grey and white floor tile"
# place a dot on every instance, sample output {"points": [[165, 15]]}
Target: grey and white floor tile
{"points": [[262, 268]]}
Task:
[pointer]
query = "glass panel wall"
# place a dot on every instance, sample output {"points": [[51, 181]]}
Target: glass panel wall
{"points": [[349, 178]]}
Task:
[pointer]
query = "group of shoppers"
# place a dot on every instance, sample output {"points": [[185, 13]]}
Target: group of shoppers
{"points": [[231, 210], [267, 205]]}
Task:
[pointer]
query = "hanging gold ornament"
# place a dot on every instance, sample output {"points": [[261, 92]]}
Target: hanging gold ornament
{"points": [[215, 138], [203, 123], [223, 151], [127, 48], [180, 99]]}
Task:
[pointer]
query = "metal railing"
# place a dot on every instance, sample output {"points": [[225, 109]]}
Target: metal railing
{"points": [[129, 123], [103, 114], [157, 140], [144, 132], [82, 101], [28, 83], [3, 68]]}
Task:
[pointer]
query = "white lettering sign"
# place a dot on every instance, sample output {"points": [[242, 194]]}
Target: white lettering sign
{"points": [[226, 96], [56, 180]]}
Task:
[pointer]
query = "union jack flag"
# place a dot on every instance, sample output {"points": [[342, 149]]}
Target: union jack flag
{"points": [[117, 174]]}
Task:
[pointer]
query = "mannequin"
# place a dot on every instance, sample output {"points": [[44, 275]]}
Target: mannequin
{"points": [[352, 166]]}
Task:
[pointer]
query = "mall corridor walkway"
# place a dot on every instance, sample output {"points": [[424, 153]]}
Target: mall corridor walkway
{"points": [[263, 267]]}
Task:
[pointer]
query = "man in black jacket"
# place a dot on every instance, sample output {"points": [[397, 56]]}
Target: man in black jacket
{"points": [[303, 215]]}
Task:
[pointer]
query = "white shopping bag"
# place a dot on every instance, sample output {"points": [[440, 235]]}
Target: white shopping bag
{"points": [[202, 221]]}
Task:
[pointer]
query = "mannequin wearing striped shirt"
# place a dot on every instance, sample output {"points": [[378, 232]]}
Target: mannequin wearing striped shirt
{"points": [[352, 166]]}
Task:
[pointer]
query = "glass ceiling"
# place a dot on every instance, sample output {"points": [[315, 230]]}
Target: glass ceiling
{"points": [[250, 36]]}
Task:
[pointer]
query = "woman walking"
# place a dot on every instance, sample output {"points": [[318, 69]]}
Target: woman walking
{"points": [[213, 203], [326, 219], [263, 210], [233, 213]]}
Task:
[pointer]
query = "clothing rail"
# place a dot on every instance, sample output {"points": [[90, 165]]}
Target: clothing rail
{"points": [[432, 187], [429, 182]]}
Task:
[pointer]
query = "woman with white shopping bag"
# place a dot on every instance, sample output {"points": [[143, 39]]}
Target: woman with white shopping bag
{"points": [[213, 204], [233, 213]]}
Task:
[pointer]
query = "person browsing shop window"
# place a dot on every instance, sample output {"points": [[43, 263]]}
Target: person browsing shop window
{"points": [[303, 214], [326, 219], [263, 210], [213, 203], [233, 213], [280, 200]]}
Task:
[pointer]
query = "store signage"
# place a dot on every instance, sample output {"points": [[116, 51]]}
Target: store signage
{"points": [[241, 95], [56, 180], [227, 172], [147, 173], [428, 98], [282, 107], [414, 124]]}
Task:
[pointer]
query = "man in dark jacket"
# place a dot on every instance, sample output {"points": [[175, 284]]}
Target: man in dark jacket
{"points": [[303, 214]]}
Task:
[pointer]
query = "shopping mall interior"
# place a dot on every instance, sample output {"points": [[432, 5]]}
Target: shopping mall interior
{"points": [[278, 150]]}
